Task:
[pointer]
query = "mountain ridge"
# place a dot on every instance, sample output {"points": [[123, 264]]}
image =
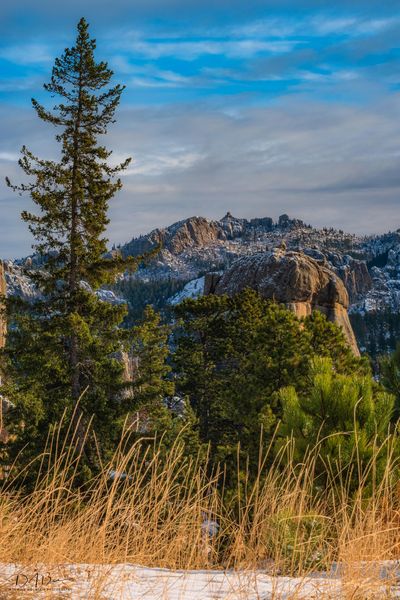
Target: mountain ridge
{"points": [[197, 244], [368, 265]]}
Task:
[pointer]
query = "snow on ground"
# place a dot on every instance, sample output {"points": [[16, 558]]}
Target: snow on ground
{"points": [[130, 582], [193, 289]]}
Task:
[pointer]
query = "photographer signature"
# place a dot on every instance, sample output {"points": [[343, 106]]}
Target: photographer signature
{"points": [[36, 580]]}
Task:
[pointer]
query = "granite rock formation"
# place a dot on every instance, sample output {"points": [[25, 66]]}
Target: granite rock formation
{"points": [[193, 232], [300, 282]]}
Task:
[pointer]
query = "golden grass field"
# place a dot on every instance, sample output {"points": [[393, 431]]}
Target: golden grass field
{"points": [[155, 511]]}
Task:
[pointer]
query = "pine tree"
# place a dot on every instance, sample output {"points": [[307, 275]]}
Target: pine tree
{"points": [[390, 377], [149, 344], [156, 412], [347, 416], [327, 339], [60, 350], [232, 357]]}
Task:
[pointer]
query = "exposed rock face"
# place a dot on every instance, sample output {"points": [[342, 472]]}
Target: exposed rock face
{"points": [[3, 290], [198, 232], [356, 278], [193, 232], [17, 283], [352, 271], [368, 266], [300, 282], [211, 281]]}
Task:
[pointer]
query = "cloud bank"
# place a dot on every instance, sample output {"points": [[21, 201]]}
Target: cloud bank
{"points": [[278, 107]]}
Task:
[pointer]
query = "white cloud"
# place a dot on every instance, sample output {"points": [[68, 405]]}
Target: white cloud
{"points": [[352, 26], [9, 156], [328, 164], [339, 75], [157, 165], [27, 54], [148, 75], [190, 50]]}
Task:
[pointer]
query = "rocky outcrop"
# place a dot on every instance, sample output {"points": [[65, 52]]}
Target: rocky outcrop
{"points": [[211, 281], [196, 231], [356, 278], [368, 266], [18, 283], [191, 233], [300, 282], [285, 222]]}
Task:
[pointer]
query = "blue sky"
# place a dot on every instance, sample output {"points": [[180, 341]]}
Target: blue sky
{"points": [[256, 107]]}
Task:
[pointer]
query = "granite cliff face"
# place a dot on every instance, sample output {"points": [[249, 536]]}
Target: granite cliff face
{"points": [[300, 282], [193, 232], [17, 283], [197, 232]]}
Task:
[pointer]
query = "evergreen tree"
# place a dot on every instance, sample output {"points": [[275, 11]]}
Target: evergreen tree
{"points": [[390, 377], [149, 345], [232, 357], [155, 411], [140, 293], [347, 416], [327, 339], [60, 350]]}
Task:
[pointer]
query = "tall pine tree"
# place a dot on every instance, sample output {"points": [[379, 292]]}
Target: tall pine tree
{"points": [[61, 350]]}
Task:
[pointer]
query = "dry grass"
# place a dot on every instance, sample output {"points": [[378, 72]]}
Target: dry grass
{"points": [[153, 515]]}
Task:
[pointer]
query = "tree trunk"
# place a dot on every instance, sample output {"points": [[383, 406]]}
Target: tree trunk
{"points": [[73, 274]]}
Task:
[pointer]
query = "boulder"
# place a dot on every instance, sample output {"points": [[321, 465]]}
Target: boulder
{"points": [[300, 282]]}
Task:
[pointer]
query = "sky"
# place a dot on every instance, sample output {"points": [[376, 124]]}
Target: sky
{"points": [[254, 107]]}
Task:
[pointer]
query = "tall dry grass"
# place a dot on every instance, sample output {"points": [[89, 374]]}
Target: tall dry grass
{"points": [[156, 508]]}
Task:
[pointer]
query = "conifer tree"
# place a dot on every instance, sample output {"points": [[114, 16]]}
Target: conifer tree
{"points": [[390, 377], [157, 413], [149, 343], [347, 416], [232, 357], [327, 339], [61, 349]]}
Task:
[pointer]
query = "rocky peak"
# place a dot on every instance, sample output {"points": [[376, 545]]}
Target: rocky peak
{"points": [[194, 232], [368, 266], [189, 233], [285, 222], [232, 226]]}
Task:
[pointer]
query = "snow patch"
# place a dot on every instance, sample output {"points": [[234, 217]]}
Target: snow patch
{"points": [[193, 289], [130, 582]]}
